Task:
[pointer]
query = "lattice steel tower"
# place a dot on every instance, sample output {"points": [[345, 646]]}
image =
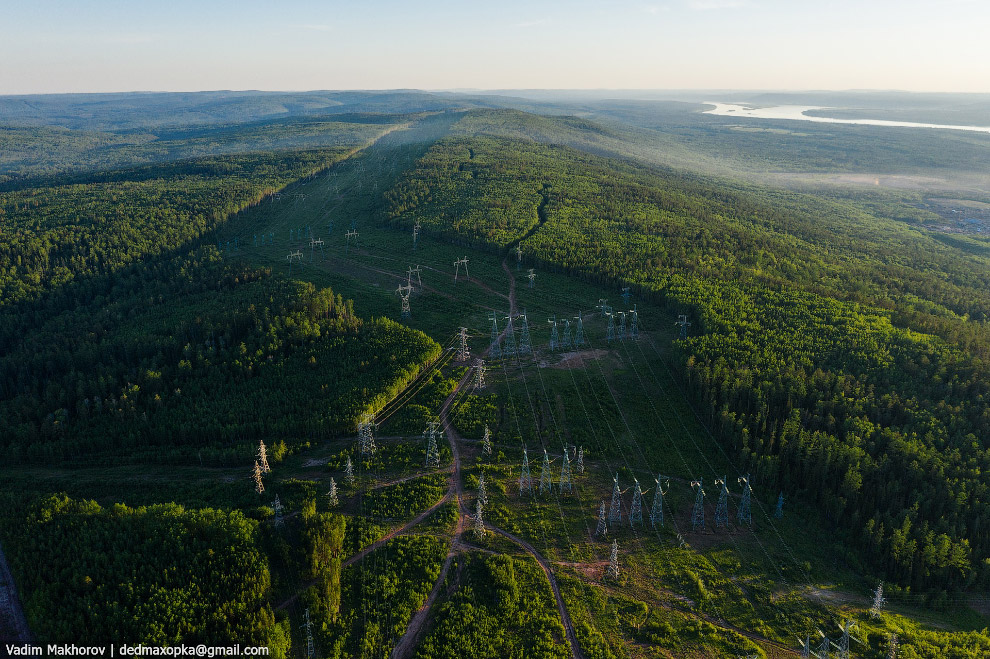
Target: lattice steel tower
{"points": [[525, 346], [656, 512], [565, 474], [463, 351], [615, 510], [698, 513], [722, 507], [495, 348], [636, 509], [545, 479], [745, 513], [525, 480], [602, 530]]}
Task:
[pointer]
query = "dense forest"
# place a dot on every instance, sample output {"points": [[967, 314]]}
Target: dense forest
{"points": [[843, 355]]}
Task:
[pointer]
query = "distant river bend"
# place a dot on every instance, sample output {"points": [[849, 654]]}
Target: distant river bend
{"points": [[797, 112]]}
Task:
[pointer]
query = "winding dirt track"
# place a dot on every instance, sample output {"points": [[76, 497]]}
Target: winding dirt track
{"points": [[13, 625]]}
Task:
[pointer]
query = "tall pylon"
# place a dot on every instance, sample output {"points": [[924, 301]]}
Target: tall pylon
{"points": [[778, 511], [308, 626], [263, 457], [625, 295], [486, 441], [259, 487], [482, 490], [656, 512], [633, 323], [698, 513], [613, 561], [525, 480], [615, 510], [495, 348], [432, 452], [579, 332], [348, 236], [602, 529], [722, 507], [565, 474], [683, 322], [806, 647], [565, 340], [415, 271], [745, 513], [580, 460], [824, 648], [415, 233], [349, 471], [479, 374], [403, 292], [509, 348], [366, 435], [525, 346], [892, 646], [532, 277], [878, 601], [457, 268], [277, 506], [479, 520], [847, 627], [332, 499], [636, 509], [610, 327], [463, 351], [554, 337], [621, 331], [546, 482]]}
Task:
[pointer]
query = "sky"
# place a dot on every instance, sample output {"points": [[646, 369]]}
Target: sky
{"points": [[182, 45]]}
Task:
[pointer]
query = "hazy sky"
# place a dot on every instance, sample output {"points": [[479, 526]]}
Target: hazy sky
{"points": [[103, 45]]}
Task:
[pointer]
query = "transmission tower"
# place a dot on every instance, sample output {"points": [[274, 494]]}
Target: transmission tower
{"points": [[366, 435], [683, 322], [308, 626], [278, 511], [463, 351], [722, 507], [525, 347], [349, 471], [432, 452], [806, 647], [486, 441], [347, 236], [457, 268], [532, 277], [824, 648], [778, 512], [545, 478], [745, 513], [263, 457], [415, 233], [847, 627], [525, 480], [656, 512], [565, 342], [878, 601], [633, 323], [602, 530], [332, 499], [610, 327], [636, 509], [698, 514], [579, 332], [565, 474], [518, 256], [403, 292], [293, 256], [479, 520], [621, 333], [495, 348], [613, 561], [482, 491], [554, 337], [479, 374], [625, 295], [580, 460], [892, 646], [259, 487], [509, 349], [615, 510], [313, 244], [415, 271]]}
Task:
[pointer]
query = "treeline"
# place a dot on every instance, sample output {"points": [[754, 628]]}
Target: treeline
{"points": [[805, 351], [191, 353], [54, 235], [160, 575]]}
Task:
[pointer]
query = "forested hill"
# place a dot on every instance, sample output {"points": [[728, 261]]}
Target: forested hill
{"points": [[844, 355]]}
